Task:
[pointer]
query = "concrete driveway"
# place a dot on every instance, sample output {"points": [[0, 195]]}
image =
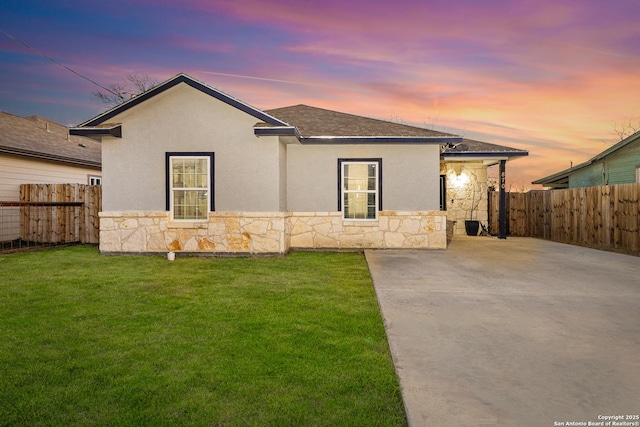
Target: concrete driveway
{"points": [[516, 332]]}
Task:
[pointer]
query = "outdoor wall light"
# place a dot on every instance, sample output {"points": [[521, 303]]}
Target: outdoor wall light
{"points": [[459, 180]]}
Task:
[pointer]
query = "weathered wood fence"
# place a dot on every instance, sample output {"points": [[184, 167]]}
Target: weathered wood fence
{"points": [[60, 213], [604, 217]]}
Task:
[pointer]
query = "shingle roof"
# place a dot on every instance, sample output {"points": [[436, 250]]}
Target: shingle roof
{"points": [[470, 146], [314, 121], [40, 138]]}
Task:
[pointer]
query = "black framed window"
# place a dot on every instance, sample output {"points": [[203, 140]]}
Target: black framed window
{"points": [[360, 188], [189, 185]]}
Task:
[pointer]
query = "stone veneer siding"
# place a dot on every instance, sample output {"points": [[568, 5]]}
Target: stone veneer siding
{"points": [[392, 230], [269, 232], [461, 198]]}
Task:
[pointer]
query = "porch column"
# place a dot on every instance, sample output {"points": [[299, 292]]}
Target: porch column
{"points": [[502, 215]]}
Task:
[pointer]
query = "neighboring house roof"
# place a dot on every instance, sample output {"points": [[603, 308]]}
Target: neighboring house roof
{"points": [[561, 179], [39, 138]]}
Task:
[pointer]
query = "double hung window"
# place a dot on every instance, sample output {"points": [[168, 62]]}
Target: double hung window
{"points": [[360, 188], [190, 185], [94, 180]]}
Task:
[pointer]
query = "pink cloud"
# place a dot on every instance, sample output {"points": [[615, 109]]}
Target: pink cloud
{"points": [[545, 76], [198, 45]]}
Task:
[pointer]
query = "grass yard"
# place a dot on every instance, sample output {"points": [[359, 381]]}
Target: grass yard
{"points": [[99, 340]]}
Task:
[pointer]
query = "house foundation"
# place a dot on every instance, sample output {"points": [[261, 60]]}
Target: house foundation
{"points": [[269, 232]]}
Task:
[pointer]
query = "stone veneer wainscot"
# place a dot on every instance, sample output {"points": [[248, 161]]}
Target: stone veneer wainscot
{"points": [[269, 232]]}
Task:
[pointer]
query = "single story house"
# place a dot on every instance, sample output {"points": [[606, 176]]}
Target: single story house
{"points": [[189, 168], [34, 150], [618, 164]]}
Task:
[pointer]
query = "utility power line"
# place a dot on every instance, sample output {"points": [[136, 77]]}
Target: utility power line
{"points": [[56, 62]]}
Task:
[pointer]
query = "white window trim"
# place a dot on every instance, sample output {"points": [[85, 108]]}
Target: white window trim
{"points": [[207, 188], [94, 178], [346, 162]]}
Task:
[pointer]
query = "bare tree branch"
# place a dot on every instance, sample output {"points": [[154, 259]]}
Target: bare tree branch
{"points": [[626, 128], [115, 96], [142, 82], [134, 84]]}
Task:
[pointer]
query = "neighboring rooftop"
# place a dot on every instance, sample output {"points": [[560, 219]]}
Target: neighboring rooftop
{"points": [[560, 179], [39, 138]]}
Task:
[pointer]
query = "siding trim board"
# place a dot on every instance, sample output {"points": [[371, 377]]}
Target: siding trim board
{"points": [[329, 140], [49, 157], [90, 131], [492, 154]]}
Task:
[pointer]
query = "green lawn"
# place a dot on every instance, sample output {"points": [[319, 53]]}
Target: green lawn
{"points": [[96, 340]]}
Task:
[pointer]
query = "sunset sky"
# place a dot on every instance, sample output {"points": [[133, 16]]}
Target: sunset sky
{"points": [[548, 76]]}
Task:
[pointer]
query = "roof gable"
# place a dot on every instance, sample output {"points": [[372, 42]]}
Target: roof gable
{"points": [[635, 138], [562, 178], [174, 81]]}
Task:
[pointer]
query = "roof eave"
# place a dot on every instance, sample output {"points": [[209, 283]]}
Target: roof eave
{"points": [[50, 157], [551, 179], [628, 140], [277, 131], [92, 131], [485, 154], [330, 140], [560, 175]]}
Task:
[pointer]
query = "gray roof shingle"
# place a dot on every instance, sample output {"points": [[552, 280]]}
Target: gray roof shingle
{"points": [[314, 121], [470, 146], [40, 138]]}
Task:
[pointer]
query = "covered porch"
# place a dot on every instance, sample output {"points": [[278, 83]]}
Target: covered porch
{"points": [[466, 179]]}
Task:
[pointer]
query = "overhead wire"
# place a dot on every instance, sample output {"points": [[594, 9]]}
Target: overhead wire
{"points": [[56, 62]]}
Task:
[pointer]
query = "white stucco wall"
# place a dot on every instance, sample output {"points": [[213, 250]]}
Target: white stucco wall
{"points": [[183, 119], [282, 156], [410, 176]]}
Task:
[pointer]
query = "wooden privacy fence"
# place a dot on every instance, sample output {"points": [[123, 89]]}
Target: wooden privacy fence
{"points": [[58, 213], [600, 217]]}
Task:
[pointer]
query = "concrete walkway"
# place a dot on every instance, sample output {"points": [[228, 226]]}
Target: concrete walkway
{"points": [[516, 332]]}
